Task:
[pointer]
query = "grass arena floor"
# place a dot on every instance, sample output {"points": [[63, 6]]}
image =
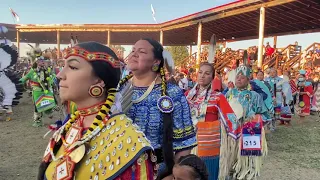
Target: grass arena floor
{"points": [[294, 152]]}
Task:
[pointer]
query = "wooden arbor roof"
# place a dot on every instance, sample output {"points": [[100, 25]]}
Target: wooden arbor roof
{"points": [[231, 22]]}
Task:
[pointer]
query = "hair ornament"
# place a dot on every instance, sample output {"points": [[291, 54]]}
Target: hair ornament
{"points": [[168, 61], [212, 49]]}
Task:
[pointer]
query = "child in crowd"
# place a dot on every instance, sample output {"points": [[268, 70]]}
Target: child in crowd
{"points": [[190, 167]]}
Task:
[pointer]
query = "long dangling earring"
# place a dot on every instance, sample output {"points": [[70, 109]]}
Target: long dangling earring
{"points": [[155, 67], [96, 91]]}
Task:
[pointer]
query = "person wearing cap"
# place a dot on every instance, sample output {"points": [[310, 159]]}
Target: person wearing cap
{"points": [[305, 92]]}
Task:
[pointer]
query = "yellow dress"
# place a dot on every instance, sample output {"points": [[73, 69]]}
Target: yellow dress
{"points": [[119, 151]]}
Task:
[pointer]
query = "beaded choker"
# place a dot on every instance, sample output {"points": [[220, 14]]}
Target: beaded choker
{"points": [[91, 56], [90, 110]]}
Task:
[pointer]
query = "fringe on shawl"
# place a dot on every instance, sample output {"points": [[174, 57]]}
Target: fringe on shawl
{"points": [[235, 166], [249, 167], [228, 154]]}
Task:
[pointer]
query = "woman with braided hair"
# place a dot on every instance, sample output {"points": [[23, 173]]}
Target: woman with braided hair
{"points": [[213, 117], [190, 167], [98, 141], [159, 108]]}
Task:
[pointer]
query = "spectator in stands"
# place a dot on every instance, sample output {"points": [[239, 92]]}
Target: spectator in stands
{"points": [[269, 50], [309, 58], [183, 83], [316, 59], [176, 78]]}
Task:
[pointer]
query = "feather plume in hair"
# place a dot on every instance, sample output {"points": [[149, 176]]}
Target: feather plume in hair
{"points": [[168, 61], [212, 49]]}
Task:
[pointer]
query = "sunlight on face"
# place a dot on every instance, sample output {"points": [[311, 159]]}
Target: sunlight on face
{"points": [[75, 79], [260, 75], [205, 75], [241, 81], [141, 58]]}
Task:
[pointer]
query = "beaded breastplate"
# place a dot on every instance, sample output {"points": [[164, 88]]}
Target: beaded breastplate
{"points": [[118, 146]]}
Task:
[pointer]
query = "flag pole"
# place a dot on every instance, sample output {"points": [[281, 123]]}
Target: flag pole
{"points": [[14, 22]]}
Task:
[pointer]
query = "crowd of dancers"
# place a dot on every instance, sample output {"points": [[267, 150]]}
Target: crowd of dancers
{"points": [[143, 120]]}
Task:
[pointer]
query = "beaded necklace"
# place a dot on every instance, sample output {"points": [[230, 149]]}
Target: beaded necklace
{"points": [[98, 123]]}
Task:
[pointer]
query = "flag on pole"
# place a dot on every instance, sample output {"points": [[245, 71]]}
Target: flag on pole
{"points": [[153, 14], [14, 14]]}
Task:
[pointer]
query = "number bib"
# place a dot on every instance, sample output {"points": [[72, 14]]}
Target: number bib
{"points": [[251, 139], [251, 142], [44, 101]]}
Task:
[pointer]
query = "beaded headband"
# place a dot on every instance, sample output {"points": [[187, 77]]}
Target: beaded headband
{"points": [[91, 56]]}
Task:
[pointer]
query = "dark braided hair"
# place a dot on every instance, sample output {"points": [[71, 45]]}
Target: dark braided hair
{"points": [[200, 170], [167, 142]]}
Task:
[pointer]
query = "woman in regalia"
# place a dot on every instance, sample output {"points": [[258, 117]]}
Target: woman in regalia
{"points": [[210, 113], [282, 96], [159, 108], [98, 141], [245, 156], [305, 93]]}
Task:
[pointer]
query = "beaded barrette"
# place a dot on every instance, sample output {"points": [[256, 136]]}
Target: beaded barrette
{"points": [[91, 56]]}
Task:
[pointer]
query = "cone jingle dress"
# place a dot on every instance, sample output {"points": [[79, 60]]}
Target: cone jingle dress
{"points": [[210, 113]]}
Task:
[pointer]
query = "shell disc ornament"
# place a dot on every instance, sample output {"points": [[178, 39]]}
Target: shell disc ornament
{"points": [[165, 104]]}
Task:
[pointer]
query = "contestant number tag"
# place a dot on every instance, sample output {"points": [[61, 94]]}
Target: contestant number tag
{"points": [[45, 102], [251, 142]]}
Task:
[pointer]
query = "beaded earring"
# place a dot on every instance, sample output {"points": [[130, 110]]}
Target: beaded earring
{"points": [[96, 91], [155, 67]]}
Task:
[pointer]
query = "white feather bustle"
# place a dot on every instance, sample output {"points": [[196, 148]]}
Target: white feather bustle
{"points": [[5, 59], [168, 61], [9, 89], [212, 49]]}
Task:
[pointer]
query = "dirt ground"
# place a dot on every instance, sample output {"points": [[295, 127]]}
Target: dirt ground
{"points": [[294, 152]]}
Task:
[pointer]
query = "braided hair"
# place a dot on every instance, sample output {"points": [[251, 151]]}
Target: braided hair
{"points": [[200, 170], [167, 142]]}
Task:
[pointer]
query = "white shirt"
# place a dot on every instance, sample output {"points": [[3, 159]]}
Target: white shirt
{"points": [[183, 83]]}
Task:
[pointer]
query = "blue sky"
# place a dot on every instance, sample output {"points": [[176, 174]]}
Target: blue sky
{"points": [[120, 12]]}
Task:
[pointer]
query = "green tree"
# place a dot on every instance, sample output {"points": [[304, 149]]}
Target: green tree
{"points": [[179, 53]]}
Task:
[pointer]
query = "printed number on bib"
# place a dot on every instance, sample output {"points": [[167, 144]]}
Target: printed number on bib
{"points": [[45, 102], [250, 142]]}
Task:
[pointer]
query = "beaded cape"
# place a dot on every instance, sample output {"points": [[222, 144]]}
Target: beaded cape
{"points": [[119, 146], [148, 117]]}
